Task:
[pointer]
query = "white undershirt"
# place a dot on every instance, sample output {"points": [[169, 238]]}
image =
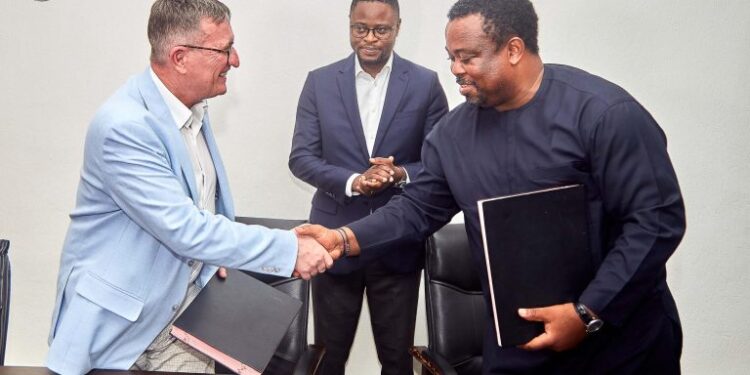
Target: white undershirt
{"points": [[190, 122], [370, 100], [165, 353]]}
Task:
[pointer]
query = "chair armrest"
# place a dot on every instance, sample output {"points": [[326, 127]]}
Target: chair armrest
{"points": [[309, 360], [431, 363]]}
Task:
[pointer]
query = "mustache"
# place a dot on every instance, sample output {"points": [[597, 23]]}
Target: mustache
{"points": [[463, 82]]}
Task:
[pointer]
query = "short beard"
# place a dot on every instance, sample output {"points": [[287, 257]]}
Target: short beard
{"points": [[375, 65], [479, 99]]}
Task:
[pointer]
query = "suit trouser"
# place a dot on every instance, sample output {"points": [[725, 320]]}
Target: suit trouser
{"points": [[392, 301]]}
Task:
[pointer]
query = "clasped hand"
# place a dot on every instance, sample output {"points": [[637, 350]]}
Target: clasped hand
{"points": [[381, 175]]}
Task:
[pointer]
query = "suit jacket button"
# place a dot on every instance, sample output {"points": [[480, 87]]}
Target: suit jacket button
{"points": [[191, 262], [175, 307]]}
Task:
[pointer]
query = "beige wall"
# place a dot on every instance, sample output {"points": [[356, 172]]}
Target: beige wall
{"points": [[684, 60]]}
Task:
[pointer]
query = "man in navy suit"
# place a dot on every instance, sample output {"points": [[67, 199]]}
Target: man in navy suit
{"points": [[527, 126], [358, 137]]}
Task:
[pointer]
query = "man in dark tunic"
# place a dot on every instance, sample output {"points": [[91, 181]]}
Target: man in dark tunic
{"points": [[528, 126]]}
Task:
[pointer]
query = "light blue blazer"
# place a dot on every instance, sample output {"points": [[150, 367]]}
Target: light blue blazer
{"points": [[125, 267]]}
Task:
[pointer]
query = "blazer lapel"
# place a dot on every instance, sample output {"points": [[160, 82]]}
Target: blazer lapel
{"points": [[224, 203], [348, 92], [180, 159], [396, 87]]}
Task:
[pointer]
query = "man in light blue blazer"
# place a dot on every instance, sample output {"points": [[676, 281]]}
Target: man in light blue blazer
{"points": [[154, 217]]}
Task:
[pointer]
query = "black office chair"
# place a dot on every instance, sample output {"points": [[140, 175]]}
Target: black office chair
{"points": [[455, 307], [294, 355], [4, 296]]}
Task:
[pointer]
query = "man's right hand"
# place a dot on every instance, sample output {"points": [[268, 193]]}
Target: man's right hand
{"points": [[381, 175], [312, 257], [327, 238]]}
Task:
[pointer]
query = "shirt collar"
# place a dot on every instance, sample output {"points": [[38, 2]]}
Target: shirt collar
{"points": [[181, 114], [358, 68]]}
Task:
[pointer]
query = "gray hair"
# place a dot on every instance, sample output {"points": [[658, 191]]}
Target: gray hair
{"points": [[172, 20]]}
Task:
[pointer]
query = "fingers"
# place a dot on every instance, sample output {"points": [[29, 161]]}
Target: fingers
{"points": [[222, 273], [534, 315], [563, 329], [336, 254], [540, 342], [382, 161], [327, 263], [312, 257], [328, 259], [379, 173]]}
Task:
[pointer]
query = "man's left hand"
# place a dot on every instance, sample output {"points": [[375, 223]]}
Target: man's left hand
{"points": [[563, 329], [396, 173], [222, 273]]}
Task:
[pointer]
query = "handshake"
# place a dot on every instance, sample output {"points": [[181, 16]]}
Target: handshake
{"points": [[318, 247]]}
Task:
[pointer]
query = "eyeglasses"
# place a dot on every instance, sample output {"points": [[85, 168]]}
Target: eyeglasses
{"points": [[227, 52], [361, 31]]}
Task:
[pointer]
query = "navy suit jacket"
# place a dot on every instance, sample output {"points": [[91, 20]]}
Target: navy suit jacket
{"points": [[329, 143]]}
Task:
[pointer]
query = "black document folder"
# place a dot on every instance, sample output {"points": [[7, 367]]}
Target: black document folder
{"points": [[536, 248], [238, 321]]}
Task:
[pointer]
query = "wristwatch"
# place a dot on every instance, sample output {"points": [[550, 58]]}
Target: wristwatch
{"points": [[591, 321], [402, 182]]}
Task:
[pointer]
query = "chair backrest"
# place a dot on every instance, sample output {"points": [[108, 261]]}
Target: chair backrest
{"points": [[294, 342], [4, 296], [454, 301]]}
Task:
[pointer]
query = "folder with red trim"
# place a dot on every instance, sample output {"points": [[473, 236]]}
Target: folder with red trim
{"points": [[238, 321]]}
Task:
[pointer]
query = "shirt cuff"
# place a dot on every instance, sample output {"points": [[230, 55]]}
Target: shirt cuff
{"points": [[348, 189], [405, 180]]}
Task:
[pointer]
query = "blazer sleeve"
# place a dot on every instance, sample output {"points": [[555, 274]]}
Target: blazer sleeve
{"points": [[306, 158], [437, 108], [138, 177]]}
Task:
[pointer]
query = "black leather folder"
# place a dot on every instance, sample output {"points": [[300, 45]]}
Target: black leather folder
{"points": [[238, 321], [537, 254]]}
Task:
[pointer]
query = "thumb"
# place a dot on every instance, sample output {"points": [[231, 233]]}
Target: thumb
{"points": [[305, 230], [222, 272], [335, 254], [534, 315], [328, 259]]}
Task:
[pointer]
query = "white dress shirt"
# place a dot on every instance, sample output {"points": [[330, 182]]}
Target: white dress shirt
{"points": [[370, 100], [166, 353], [190, 122]]}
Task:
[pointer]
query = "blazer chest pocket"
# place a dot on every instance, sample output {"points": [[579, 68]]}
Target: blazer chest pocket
{"points": [[109, 297]]}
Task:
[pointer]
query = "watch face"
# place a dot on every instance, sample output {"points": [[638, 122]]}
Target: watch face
{"points": [[594, 325]]}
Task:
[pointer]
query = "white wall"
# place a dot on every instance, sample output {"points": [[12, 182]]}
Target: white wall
{"points": [[684, 60]]}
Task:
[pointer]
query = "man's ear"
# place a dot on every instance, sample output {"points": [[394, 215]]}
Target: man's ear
{"points": [[516, 50], [178, 57]]}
